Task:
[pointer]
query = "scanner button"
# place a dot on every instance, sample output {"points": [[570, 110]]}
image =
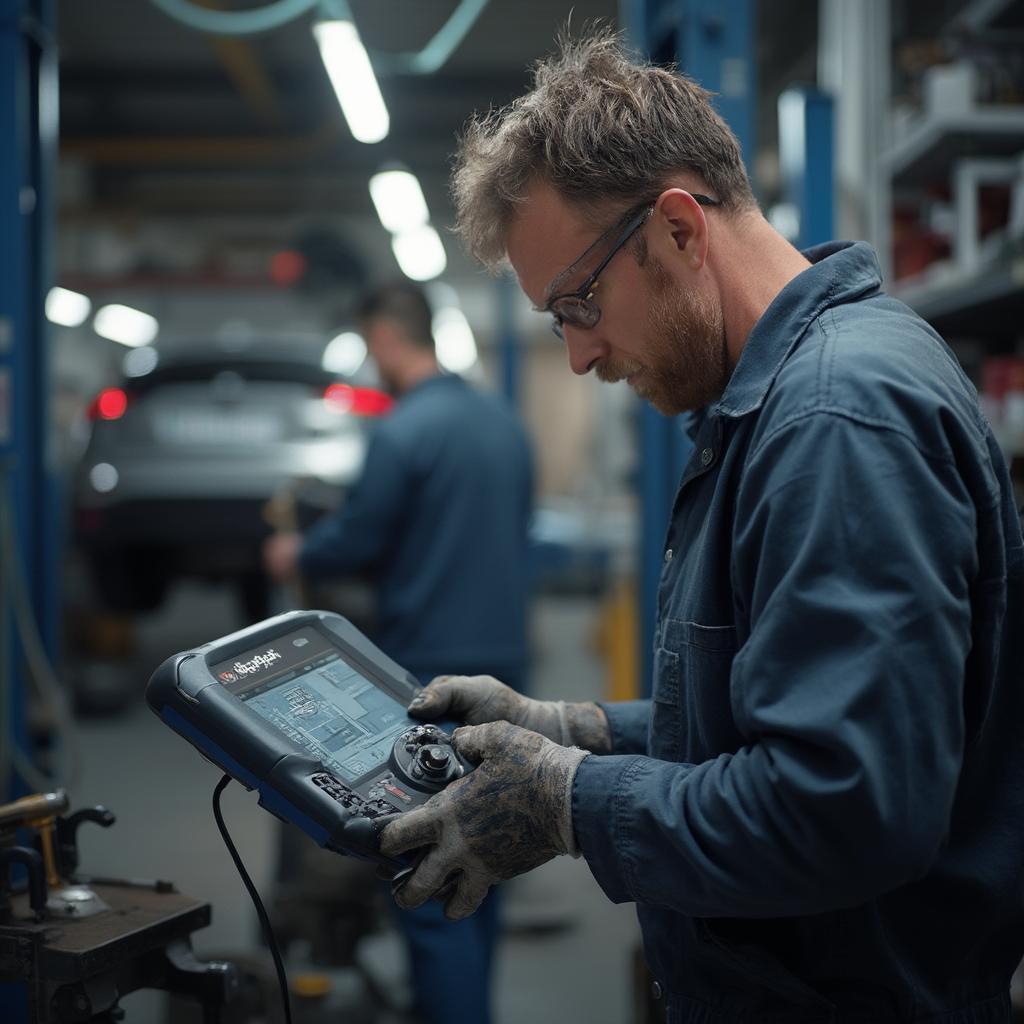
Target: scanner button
{"points": [[376, 808], [435, 758]]}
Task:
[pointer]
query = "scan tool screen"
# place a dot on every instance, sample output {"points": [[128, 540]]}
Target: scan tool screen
{"points": [[301, 684]]}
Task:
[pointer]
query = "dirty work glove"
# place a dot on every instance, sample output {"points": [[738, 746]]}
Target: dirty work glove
{"points": [[479, 699], [510, 814]]}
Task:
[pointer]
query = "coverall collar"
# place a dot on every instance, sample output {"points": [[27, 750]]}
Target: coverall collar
{"points": [[840, 272]]}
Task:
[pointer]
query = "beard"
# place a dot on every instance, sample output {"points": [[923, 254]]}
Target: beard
{"points": [[687, 363]]}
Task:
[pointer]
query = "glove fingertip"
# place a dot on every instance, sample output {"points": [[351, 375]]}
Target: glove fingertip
{"points": [[463, 740], [394, 840], [462, 904], [405, 902], [431, 701], [420, 702]]}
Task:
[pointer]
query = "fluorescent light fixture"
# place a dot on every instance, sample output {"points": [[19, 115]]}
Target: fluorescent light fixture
{"points": [[352, 77], [125, 325], [419, 252], [140, 361], [67, 308], [344, 354], [399, 200], [456, 346]]}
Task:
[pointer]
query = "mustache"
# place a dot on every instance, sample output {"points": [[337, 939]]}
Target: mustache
{"points": [[611, 373]]}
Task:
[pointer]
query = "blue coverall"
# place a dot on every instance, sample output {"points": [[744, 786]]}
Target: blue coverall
{"points": [[820, 813], [439, 518]]}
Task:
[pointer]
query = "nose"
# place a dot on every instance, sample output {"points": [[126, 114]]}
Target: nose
{"points": [[584, 347]]}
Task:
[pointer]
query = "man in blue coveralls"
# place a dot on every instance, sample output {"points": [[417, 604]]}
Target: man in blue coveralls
{"points": [[439, 519], [820, 812]]}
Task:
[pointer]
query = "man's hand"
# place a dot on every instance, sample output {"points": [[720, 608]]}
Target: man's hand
{"points": [[281, 556], [479, 699], [511, 814]]}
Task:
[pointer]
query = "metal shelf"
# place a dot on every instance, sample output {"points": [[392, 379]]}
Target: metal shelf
{"points": [[987, 304], [927, 151]]}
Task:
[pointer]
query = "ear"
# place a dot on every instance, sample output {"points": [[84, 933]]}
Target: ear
{"points": [[685, 229]]}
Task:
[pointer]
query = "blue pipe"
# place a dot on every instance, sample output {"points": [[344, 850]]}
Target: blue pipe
{"points": [[235, 23], [430, 59]]}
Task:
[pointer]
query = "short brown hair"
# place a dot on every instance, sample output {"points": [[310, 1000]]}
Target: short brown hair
{"points": [[601, 129], [404, 303]]}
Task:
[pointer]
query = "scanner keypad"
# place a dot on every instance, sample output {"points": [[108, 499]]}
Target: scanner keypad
{"points": [[337, 790]]}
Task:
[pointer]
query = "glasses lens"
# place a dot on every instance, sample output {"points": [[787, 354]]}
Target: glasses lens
{"points": [[576, 311]]}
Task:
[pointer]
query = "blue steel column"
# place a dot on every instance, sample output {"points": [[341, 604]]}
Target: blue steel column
{"points": [[713, 43], [805, 157], [28, 124]]}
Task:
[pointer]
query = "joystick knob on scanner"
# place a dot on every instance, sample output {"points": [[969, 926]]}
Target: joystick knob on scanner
{"points": [[435, 759]]}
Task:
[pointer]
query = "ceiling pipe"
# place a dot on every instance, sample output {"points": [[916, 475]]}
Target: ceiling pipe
{"points": [[427, 61], [235, 23]]}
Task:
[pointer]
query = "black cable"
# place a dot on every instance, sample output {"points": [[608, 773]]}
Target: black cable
{"points": [[261, 912]]}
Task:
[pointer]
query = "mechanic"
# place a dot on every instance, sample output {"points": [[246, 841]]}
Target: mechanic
{"points": [[439, 519], [820, 812]]}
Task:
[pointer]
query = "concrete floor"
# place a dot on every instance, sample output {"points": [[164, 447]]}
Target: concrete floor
{"points": [[160, 790]]}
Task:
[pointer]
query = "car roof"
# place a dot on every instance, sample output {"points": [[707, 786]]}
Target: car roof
{"points": [[218, 351]]}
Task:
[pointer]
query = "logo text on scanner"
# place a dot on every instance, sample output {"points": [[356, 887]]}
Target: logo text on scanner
{"points": [[257, 663]]}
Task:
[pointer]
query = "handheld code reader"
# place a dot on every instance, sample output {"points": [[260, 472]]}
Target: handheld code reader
{"points": [[307, 711]]}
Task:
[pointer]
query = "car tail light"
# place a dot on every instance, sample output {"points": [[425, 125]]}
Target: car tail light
{"points": [[109, 404], [359, 401]]}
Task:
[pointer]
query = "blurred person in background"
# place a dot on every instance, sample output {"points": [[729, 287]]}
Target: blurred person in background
{"points": [[819, 813], [439, 520]]}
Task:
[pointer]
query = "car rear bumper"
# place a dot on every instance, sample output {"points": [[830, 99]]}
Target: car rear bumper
{"points": [[212, 524]]}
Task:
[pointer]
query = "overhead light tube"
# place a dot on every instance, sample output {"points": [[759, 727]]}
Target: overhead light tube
{"points": [[399, 200], [456, 346], [67, 308], [125, 325], [351, 74], [419, 252]]}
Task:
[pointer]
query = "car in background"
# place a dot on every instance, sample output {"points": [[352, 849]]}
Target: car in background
{"points": [[183, 458]]}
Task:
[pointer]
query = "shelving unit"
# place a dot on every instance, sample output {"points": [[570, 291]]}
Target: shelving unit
{"points": [[933, 144], [941, 159], [986, 304]]}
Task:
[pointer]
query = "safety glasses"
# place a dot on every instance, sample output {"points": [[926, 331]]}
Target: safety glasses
{"points": [[578, 307]]}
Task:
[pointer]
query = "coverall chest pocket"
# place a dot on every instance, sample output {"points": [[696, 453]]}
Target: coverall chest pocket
{"points": [[691, 711]]}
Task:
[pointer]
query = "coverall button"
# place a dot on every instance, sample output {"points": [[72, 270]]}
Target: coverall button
{"points": [[668, 555], [656, 990], [707, 456]]}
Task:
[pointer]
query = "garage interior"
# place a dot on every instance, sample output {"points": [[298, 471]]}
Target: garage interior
{"points": [[181, 194]]}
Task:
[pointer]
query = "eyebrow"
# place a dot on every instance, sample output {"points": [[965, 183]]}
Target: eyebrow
{"points": [[551, 291]]}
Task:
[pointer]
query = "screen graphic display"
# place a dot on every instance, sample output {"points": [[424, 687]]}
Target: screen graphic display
{"points": [[301, 685]]}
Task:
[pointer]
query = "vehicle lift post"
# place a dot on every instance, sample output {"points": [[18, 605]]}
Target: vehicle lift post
{"points": [[28, 489], [713, 43]]}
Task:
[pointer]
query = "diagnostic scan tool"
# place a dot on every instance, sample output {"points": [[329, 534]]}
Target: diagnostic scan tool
{"points": [[306, 710]]}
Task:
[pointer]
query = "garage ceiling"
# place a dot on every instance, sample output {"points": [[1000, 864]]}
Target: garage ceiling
{"points": [[161, 121], [192, 158]]}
